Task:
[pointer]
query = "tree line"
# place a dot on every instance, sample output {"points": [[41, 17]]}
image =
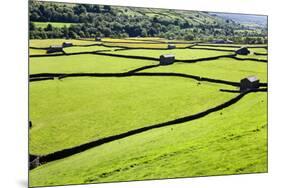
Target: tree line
{"points": [[116, 22]]}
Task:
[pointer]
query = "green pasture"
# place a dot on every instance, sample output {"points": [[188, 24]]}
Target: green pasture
{"points": [[44, 43], [223, 69], [54, 24], [75, 49], [37, 51], [72, 111], [180, 54], [230, 141], [142, 45], [78, 110], [85, 63], [216, 47]]}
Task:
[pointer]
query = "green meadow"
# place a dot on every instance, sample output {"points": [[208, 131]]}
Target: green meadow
{"points": [[54, 24], [180, 54], [73, 111], [231, 141]]}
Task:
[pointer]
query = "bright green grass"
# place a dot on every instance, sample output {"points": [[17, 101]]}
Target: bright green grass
{"points": [[231, 141], [44, 43], [142, 45], [259, 50], [217, 47], [73, 111], [180, 54], [36, 51], [85, 63], [224, 69], [251, 55], [86, 49], [54, 24]]}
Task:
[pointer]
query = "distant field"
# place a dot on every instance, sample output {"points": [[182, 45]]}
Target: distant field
{"points": [[141, 45], [44, 43], [54, 24], [180, 54]]}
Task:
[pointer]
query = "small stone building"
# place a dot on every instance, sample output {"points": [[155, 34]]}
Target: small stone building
{"points": [[229, 41], [171, 46], [67, 44], [54, 49], [251, 82], [222, 41], [242, 51], [218, 41], [167, 59], [98, 39]]}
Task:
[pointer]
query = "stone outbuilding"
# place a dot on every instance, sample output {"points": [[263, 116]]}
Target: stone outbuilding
{"points": [[54, 49], [221, 41], [251, 82], [242, 51], [167, 59], [97, 39], [67, 44], [171, 46]]}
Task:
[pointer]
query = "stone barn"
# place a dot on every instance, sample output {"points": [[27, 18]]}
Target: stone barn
{"points": [[167, 59], [242, 51], [229, 41], [53, 49], [218, 41], [171, 46], [67, 44], [251, 82], [98, 39]]}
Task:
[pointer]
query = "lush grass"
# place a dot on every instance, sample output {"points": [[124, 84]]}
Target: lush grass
{"points": [[141, 45], [78, 110], [87, 49], [251, 55], [231, 141], [216, 47], [37, 51], [73, 111], [54, 24], [85, 63], [44, 43], [180, 54], [259, 50], [224, 69]]}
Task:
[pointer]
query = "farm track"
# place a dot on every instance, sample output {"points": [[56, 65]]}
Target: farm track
{"points": [[78, 149]]}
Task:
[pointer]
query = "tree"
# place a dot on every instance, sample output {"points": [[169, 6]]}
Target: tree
{"points": [[32, 26], [49, 27], [107, 8]]}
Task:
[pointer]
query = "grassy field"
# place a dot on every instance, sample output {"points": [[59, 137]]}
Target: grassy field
{"points": [[235, 69], [85, 63], [44, 43], [141, 45], [87, 49], [73, 111], [230, 141], [54, 24], [180, 54], [85, 118]]}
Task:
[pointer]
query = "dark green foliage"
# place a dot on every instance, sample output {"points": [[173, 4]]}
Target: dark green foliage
{"points": [[116, 22]]}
